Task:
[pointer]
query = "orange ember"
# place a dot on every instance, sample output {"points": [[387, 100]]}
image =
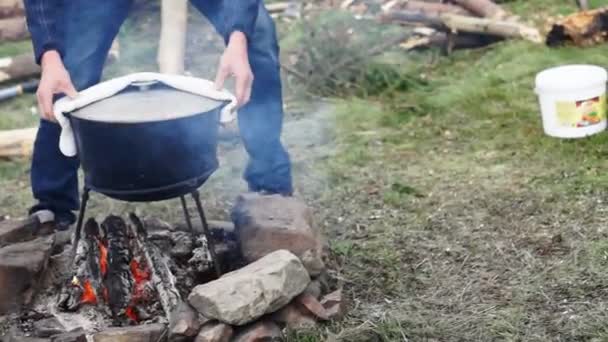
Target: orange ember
{"points": [[88, 294], [103, 255], [131, 314]]}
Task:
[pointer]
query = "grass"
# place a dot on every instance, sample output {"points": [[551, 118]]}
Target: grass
{"points": [[451, 215]]}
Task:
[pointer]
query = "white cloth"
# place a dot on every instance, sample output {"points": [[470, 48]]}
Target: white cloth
{"points": [[103, 90]]}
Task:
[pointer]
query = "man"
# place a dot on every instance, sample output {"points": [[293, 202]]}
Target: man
{"points": [[71, 41]]}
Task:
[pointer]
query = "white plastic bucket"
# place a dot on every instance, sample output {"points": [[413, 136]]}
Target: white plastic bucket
{"points": [[572, 100]]}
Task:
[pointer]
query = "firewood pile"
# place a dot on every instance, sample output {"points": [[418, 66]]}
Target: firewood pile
{"points": [[146, 280]]}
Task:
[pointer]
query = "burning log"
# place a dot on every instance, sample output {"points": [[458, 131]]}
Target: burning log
{"points": [[162, 278], [119, 279], [12, 29], [582, 29], [85, 283]]}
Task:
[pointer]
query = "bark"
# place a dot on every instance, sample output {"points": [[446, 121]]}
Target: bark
{"points": [[172, 45], [12, 29], [17, 143], [483, 8], [11, 8]]}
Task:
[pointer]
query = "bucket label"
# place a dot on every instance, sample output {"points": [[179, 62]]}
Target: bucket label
{"points": [[581, 113]]}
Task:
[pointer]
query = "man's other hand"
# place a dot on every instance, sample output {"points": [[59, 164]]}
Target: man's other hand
{"points": [[235, 62], [54, 80]]}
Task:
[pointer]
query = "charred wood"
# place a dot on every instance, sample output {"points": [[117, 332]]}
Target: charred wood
{"points": [[162, 278]]}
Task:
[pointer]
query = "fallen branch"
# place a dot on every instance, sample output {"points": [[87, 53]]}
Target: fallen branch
{"points": [[506, 29], [483, 8], [414, 18], [13, 29], [434, 8]]}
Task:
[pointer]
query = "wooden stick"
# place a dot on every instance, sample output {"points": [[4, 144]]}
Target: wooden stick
{"points": [[172, 44], [414, 18], [12, 29]]}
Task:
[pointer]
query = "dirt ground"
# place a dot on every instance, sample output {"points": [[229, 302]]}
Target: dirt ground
{"points": [[453, 218]]}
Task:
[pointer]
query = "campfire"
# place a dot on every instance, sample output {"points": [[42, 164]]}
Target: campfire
{"points": [[144, 279]]}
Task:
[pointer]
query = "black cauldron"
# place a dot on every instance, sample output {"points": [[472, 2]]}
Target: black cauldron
{"points": [[150, 142]]}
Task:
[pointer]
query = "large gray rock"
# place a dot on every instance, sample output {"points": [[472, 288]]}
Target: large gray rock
{"points": [[48, 327], [139, 333], [184, 323], [259, 288], [17, 231], [265, 224], [21, 267], [72, 336]]}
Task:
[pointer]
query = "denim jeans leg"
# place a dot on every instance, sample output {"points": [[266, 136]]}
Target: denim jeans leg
{"points": [[88, 27], [261, 120]]}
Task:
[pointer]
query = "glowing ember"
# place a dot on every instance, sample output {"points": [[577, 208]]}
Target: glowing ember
{"points": [[103, 256], [141, 275], [131, 314], [88, 294]]}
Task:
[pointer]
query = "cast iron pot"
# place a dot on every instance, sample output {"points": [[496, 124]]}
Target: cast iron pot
{"points": [[147, 143]]}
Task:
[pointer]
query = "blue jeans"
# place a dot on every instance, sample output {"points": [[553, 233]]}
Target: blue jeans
{"points": [[89, 28]]}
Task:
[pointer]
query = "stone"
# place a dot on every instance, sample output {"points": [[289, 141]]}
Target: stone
{"points": [[48, 327], [21, 268], [138, 333], [72, 336], [314, 289], [264, 224], [12, 231], [313, 306], [334, 305], [262, 331], [184, 322], [215, 332], [294, 317], [259, 288]]}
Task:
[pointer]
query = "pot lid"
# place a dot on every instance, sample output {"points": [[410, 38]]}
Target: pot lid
{"points": [[146, 102]]}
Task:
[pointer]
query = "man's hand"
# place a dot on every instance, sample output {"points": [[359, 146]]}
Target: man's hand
{"points": [[54, 80], [235, 62]]}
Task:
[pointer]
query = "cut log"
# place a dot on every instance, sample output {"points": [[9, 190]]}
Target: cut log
{"points": [[277, 7], [18, 67], [434, 8], [506, 29], [414, 18], [11, 8], [162, 278], [483, 8], [17, 142], [172, 45], [13, 29], [582, 29]]}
